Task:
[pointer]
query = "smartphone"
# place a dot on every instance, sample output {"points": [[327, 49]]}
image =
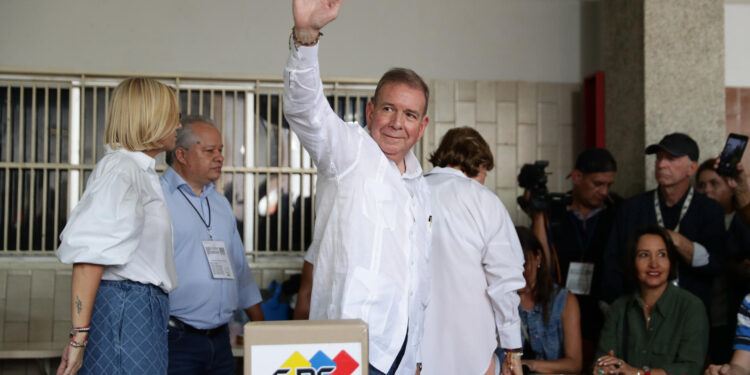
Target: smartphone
{"points": [[732, 154]]}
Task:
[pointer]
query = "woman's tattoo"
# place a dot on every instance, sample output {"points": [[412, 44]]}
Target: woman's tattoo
{"points": [[79, 304]]}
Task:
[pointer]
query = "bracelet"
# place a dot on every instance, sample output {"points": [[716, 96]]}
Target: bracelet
{"points": [[305, 44], [76, 344], [75, 330], [509, 353]]}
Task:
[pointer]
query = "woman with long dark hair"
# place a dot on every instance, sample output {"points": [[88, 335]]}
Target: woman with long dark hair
{"points": [[550, 315]]}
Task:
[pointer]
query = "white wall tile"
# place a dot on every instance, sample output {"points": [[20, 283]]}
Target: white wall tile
{"points": [[489, 133], [466, 114], [440, 130], [43, 284], [445, 101], [548, 125], [505, 166], [486, 101], [506, 91], [547, 92], [527, 103], [526, 150], [467, 91], [506, 123]]}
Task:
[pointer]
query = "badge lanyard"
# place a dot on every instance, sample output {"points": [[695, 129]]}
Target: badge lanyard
{"points": [[685, 206], [207, 224]]}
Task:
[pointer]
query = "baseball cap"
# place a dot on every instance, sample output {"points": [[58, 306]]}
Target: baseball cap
{"points": [[596, 160], [676, 144]]}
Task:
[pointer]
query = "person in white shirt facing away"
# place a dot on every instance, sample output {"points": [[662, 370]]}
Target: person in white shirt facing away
{"points": [[119, 240], [372, 226], [476, 263]]}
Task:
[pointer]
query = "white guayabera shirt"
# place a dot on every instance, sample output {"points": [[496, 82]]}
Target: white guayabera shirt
{"points": [[477, 266], [372, 225]]}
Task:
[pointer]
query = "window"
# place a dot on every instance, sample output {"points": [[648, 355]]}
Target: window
{"points": [[51, 135]]}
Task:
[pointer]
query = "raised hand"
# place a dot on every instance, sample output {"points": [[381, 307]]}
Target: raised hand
{"points": [[311, 15]]}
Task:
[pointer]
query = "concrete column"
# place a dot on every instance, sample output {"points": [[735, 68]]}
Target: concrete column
{"points": [[664, 72]]}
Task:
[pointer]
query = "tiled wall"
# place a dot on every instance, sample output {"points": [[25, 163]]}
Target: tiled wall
{"points": [[521, 121], [738, 115], [35, 302]]}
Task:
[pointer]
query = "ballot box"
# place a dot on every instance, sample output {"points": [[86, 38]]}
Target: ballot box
{"points": [[306, 347]]}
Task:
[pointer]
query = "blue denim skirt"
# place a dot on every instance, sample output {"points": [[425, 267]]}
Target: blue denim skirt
{"points": [[128, 330]]}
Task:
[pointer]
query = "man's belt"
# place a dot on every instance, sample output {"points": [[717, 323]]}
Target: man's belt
{"points": [[178, 324]]}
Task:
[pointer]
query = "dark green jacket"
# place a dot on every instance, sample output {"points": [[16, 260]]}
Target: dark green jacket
{"points": [[676, 339]]}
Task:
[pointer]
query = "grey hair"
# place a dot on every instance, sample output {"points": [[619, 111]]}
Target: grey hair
{"points": [[185, 136]]}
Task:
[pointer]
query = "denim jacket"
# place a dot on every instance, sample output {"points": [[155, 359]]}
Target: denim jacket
{"points": [[546, 340]]}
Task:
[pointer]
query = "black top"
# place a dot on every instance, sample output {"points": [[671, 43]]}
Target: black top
{"points": [[584, 241], [703, 223]]}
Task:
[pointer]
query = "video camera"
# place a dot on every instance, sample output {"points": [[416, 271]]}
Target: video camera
{"points": [[534, 179]]}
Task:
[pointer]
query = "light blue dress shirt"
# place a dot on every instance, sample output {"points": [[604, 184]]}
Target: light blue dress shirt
{"points": [[200, 300]]}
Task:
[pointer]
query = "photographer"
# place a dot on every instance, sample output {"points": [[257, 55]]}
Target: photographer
{"points": [[574, 235]]}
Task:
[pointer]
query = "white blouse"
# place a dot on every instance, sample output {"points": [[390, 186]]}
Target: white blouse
{"points": [[122, 223]]}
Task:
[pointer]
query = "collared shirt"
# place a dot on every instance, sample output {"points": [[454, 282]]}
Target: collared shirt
{"points": [[200, 300], [122, 223], [477, 267], [676, 339], [371, 240]]}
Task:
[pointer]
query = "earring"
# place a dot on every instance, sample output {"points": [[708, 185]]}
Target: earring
{"points": [[538, 266]]}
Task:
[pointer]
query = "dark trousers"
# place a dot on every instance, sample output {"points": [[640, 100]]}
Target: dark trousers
{"points": [[396, 362], [192, 353]]}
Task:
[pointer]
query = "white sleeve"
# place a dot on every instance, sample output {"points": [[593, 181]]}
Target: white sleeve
{"points": [[700, 255], [332, 143], [105, 227], [503, 267]]}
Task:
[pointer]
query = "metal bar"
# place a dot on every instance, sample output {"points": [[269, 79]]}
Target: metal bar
{"points": [[256, 116], [74, 152], [81, 127], [58, 138], [6, 198], [249, 212], [200, 102], [19, 194], [94, 124], [32, 182], [45, 158], [268, 174], [279, 177], [211, 106], [187, 104]]}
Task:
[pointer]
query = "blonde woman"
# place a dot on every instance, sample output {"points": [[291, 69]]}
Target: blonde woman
{"points": [[119, 240]]}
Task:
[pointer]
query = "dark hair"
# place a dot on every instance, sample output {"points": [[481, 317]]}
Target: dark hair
{"points": [[464, 148], [707, 165], [596, 160], [542, 291], [407, 77], [185, 136], [631, 252]]}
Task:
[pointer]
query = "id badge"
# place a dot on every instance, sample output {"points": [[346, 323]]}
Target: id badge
{"points": [[218, 259], [579, 278]]}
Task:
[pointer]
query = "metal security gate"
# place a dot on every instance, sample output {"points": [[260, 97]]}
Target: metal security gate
{"points": [[51, 135]]}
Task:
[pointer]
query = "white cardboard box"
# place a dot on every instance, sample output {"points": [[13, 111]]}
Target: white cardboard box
{"points": [[306, 347]]}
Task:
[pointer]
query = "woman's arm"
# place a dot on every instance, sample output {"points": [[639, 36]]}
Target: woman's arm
{"points": [[572, 362], [86, 279]]}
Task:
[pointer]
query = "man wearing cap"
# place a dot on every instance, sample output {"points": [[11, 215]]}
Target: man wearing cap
{"points": [[695, 222], [579, 234]]}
